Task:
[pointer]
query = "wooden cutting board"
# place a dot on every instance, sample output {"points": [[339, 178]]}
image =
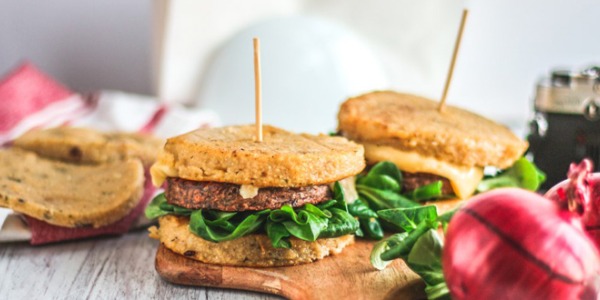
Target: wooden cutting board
{"points": [[348, 275]]}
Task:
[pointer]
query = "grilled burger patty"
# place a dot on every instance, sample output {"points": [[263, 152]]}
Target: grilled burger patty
{"points": [[226, 196], [412, 181]]}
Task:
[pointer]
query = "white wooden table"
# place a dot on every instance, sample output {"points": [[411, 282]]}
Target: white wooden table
{"points": [[104, 268]]}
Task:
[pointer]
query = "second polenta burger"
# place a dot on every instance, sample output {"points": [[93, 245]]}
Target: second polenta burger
{"points": [[428, 146], [230, 200]]}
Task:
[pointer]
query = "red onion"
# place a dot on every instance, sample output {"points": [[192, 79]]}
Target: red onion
{"points": [[515, 244], [581, 193]]}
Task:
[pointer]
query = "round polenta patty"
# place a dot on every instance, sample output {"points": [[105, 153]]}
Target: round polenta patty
{"points": [[412, 123], [89, 146], [254, 250], [69, 195], [283, 159]]}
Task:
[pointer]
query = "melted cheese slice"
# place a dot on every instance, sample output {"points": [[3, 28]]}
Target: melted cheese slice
{"points": [[464, 180], [248, 191], [164, 168], [160, 171]]}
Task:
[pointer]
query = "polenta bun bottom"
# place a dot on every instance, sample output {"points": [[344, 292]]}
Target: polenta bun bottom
{"points": [[254, 250]]}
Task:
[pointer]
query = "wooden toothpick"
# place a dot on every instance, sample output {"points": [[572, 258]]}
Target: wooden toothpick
{"points": [[442, 104], [257, 91]]}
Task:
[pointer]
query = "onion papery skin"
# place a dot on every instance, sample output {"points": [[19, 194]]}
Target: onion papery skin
{"points": [[591, 215], [514, 244]]}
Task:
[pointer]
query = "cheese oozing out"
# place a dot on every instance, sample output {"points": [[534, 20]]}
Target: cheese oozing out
{"points": [[464, 180], [160, 171], [248, 191]]}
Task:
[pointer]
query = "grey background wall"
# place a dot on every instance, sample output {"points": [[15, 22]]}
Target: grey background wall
{"points": [[107, 44]]}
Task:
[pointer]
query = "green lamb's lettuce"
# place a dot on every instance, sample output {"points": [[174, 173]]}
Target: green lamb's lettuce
{"points": [[382, 176], [339, 224], [426, 192], [407, 219], [383, 199], [418, 242], [369, 225], [219, 226], [278, 235], [419, 245], [328, 219], [159, 207], [523, 174], [425, 260], [381, 189], [384, 246]]}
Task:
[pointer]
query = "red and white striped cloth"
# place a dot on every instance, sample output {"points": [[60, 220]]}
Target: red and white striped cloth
{"points": [[30, 99]]}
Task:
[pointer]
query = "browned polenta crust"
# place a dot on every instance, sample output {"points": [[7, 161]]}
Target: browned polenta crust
{"points": [[254, 250], [413, 123], [69, 195], [283, 159], [89, 146]]}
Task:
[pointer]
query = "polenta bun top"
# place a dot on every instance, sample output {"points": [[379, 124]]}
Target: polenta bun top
{"points": [[283, 159], [412, 123], [89, 146]]}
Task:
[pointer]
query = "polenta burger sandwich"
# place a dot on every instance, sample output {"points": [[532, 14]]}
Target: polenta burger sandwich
{"points": [[231, 200], [448, 149], [71, 183]]}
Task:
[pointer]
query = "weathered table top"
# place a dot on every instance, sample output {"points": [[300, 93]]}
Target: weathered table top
{"points": [[104, 268]]}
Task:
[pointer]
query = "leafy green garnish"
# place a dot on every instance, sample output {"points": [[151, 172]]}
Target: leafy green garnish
{"points": [[383, 246], [217, 226], [302, 224], [426, 192], [523, 174], [407, 244], [386, 168], [425, 260], [159, 207], [407, 219], [360, 210], [419, 246], [381, 189], [382, 176], [340, 223], [383, 199], [278, 235], [380, 182], [369, 225]]}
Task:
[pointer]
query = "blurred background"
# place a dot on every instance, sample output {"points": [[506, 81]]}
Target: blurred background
{"points": [[315, 54]]}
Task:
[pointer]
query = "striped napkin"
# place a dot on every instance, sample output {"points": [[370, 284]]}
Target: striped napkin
{"points": [[30, 99]]}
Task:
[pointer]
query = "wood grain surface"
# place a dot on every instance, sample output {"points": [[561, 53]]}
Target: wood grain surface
{"points": [[348, 275], [104, 268]]}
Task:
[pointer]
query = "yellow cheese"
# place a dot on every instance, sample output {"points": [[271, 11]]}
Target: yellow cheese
{"points": [[248, 191], [464, 180], [163, 168], [349, 188], [160, 171]]}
